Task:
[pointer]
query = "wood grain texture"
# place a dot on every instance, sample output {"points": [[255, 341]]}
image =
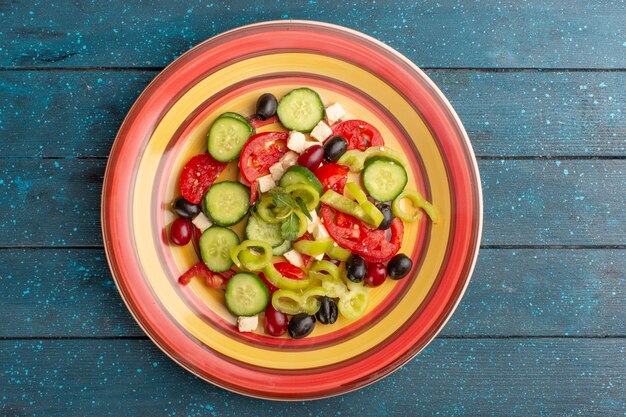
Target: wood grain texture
{"points": [[69, 293], [77, 113], [57, 202], [541, 34], [451, 377]]}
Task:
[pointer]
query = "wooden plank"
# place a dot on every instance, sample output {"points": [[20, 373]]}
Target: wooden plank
{"points": [[61, 293], [574, 34], [77, 113], [69, 293], [528, 202], [511, 377], [65, 114]]}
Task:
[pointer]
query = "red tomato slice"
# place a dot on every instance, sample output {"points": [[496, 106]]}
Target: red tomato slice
{"points": [[260, 152], [290, 271], [333, 176], [372, 244], [254, 192], [198, 175], [268, 284], [257, 123], [359, 134], [211, 279]]}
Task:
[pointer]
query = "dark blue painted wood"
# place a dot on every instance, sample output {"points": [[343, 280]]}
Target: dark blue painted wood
{"points": [[69, 293], [78, 113], [483, 377], [526, 202], [515, 292], [546, 34]]}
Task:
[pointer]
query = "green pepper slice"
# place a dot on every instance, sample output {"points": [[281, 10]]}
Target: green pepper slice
{"points": [[355, 159], [244, 257], [291, 302], [375, 215], [353, 304], [282, 282], [419, 202], [306, 192], [313, 247], [345, 205]]}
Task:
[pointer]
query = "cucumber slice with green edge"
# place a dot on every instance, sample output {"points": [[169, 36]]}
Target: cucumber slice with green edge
{"points": [[300, 109], [257, 229], [282, 248], [226, 203], [215, 245], [384, 178], [246, 294], [227, 136], [239, 117], [300, 175]]}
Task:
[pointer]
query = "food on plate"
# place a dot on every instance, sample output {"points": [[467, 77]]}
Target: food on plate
{"points": [[316, 218]]}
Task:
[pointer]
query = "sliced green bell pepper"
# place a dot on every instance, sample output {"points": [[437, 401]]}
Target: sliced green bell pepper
{"points": [[419, 202]]}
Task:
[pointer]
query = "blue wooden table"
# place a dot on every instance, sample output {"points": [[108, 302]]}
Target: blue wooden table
{"points": [[541, 89]]}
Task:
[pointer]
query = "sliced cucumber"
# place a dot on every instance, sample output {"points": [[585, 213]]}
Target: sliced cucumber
{"points": [[239, 117], [384, 178], [227, 136], [257, 229], [226, 203], [300, 109], [215, 245], [246, 295], [300, 175], [282, 248]]}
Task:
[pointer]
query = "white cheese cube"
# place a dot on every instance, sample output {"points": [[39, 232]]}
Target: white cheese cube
{"points": [[321, 132], [247, 324], [294, 258], [289, 159], [313, 222], [319, 257], [334, 113], [320, 232], [277, 171], [296, 141], [202, 222], [266, 183]]}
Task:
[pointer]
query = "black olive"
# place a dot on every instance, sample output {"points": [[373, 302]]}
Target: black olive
{"points": [[399, 266], [186, 209], [266, 106], [334, 148], [388, 215], [328, 312], [356, 268], [301, 325]]}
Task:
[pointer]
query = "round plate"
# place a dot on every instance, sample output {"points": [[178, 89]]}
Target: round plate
{"points": [[168, 125]]}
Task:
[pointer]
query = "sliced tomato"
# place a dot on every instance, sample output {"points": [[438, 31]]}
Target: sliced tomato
{"points": [[211, 279], [359, 134], [333, 176], [290, 271], [254, 192], [372, 244], [198, 175], [260, 152], [257, 123], [271, 287]]}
